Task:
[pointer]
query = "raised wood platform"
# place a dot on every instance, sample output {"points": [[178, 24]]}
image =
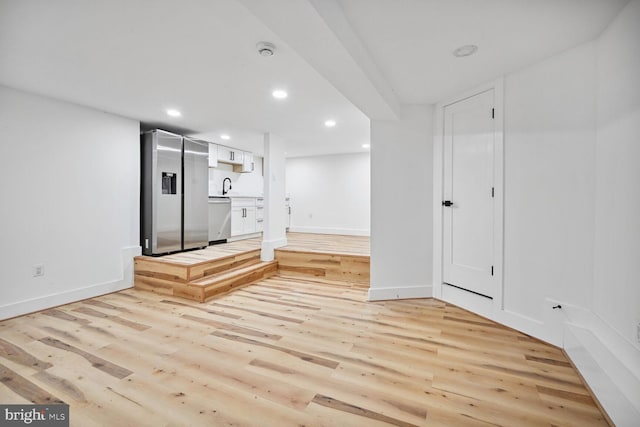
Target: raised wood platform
{"points": [[327, 256], [200, 275]]}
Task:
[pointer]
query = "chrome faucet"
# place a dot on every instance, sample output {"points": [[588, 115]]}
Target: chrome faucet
{"points": [[225, 190]]}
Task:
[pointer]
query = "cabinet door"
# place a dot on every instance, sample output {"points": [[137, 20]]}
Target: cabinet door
{"points": [[213, 155], [247, 163], [237, 221], [250, 220], [224, 154], [237, 156]]}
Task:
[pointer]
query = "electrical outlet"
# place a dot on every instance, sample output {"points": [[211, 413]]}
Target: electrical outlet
{"points": [[38, 270]]}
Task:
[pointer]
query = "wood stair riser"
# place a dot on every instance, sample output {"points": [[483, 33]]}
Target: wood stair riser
{"points": [[343, 267], [240, 281], [216, 266]]}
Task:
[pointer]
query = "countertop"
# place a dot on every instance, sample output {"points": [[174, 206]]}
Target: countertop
{"points": [[232, 195]]}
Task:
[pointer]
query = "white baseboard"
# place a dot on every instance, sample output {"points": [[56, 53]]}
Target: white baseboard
{"points": [[381, 294], [615, 386], [244, 237], [53, 300], [331, 230], [268, 247]]}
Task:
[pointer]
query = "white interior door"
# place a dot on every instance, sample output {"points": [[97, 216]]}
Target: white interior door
{"points": [[468, 205]]}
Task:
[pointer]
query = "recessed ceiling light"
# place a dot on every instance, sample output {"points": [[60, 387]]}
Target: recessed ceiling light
{"points": [[279, 94], [466, 50], [366, 145], [330, 123], [174, 113], [225, 136]]}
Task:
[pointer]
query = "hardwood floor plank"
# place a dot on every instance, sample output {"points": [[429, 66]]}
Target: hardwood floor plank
{"points": [[576, 397], [96, 362], [62, 385], [302, 356], [338, 405], [59, 314], [233, 328], [91, 312], [16, 354], [548, 361], [25, 388], [259, 313]]}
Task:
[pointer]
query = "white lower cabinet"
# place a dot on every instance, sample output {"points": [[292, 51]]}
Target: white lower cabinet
{"points": [[243, 216], [247, 215]]}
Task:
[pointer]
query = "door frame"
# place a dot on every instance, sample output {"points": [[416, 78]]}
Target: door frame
{"points": [[438, 188]]}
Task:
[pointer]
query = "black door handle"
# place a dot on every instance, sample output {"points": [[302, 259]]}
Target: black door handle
{"points": [[447, 203]]}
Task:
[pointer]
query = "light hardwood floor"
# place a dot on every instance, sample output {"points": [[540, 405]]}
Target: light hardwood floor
{"points": [[328, 243], [286, 352]]}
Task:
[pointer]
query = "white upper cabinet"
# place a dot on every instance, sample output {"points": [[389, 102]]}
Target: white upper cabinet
{"points": [[247, 165], [229, 155], [213, 155]]}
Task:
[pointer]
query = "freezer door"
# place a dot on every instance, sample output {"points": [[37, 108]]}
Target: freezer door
{"points": [[166, 192], [196, 194]]}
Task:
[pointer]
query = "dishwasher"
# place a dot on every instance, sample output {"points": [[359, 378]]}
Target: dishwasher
{"points": [[219, 219]]}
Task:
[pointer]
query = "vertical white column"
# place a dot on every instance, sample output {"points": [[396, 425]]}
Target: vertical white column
{"points": [[274, 233], [401, 205]]}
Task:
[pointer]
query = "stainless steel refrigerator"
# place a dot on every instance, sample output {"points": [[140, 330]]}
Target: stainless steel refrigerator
{"points": [[174, 193]]}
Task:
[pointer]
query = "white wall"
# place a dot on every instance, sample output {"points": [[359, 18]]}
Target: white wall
{"points": [[249, 184], [330, 194], [617, 204], [274, 234], [401, 205], [70, 201], [616, 292], [549, 182]]}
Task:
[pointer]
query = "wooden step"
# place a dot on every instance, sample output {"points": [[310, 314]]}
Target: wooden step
{"points": [[190, 267], [228, 280]]}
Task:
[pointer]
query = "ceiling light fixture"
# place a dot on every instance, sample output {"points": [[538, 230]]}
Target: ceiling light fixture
{"points": [[279, 94], [466, 50], [173, 113], [266, 49], [366, 145], [225, 136], [330, 123]]}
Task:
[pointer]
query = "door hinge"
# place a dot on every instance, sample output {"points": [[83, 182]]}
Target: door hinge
{"points": [[492, 270], [493, 192], [493, 113]]}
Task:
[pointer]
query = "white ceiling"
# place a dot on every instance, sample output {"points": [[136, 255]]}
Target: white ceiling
{"points": [[336, 58], [412, 41]]}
